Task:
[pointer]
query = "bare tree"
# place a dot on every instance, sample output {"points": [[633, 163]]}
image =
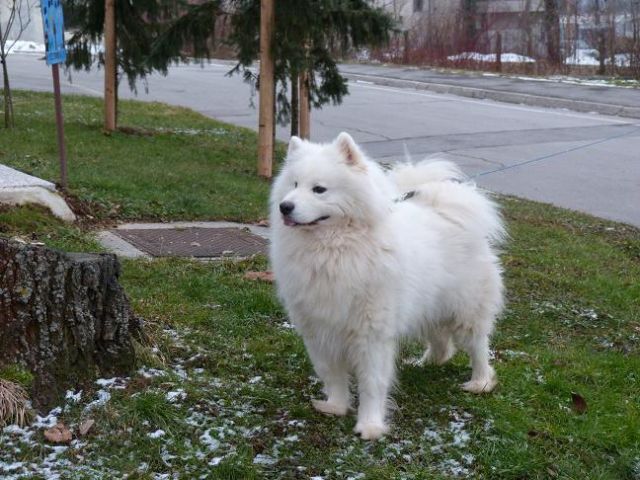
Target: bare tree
{"points": [[15, 25]]}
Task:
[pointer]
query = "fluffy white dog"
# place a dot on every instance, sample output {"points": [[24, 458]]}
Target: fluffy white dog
{"points": [[364, 257]]}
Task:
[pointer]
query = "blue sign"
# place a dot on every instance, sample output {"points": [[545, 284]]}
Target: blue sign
{"points": [[53, 31]]}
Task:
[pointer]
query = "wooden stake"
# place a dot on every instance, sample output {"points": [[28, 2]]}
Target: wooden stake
{"points": [[266, 122], [110, 65], [55, 71], [305, 108]]}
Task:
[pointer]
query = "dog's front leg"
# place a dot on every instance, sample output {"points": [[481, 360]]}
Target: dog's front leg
{"points": [[374, 358], [331, 368]]}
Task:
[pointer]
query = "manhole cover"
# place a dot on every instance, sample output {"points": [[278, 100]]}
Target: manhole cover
{"points": [[195, 242]]}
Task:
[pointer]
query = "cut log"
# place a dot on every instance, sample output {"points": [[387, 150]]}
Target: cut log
{"points": [[64, 316]]}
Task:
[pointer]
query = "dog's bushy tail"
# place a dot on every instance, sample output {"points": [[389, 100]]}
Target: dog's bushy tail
{"points": [[442, 186]]}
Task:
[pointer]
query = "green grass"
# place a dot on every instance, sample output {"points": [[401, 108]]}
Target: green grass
{"points": [[572, 325], [172, 164]]}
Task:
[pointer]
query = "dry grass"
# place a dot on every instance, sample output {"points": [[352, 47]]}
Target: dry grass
{"points": [[14, 404]]}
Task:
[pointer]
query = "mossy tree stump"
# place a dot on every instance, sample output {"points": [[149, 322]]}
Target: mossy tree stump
{"points": [[64, 316]]}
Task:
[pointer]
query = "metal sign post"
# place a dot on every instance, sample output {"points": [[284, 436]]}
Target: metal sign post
{"points": [[54, 41]]}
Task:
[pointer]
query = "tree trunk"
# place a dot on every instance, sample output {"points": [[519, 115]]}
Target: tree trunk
{"points": [[64, 317], [110, 66], [6, 88], [266, 118], [552, 28], [305, 106], [295, 104], [601, 40], [469, 16]]}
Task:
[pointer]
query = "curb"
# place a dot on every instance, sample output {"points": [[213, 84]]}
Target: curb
{"points": [[502, 96]]}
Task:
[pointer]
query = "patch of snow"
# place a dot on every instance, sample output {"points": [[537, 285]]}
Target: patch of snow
{"points": [[147, 372], [584, 56], [255, 380], [176, 395], [210, 442], [102, 397], [262, 459], [491, 57], [73, 397], [23, 46], [157, 434], [453, 467]]}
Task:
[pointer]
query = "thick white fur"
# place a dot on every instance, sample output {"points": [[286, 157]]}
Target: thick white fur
{"points": [[377, 270]]}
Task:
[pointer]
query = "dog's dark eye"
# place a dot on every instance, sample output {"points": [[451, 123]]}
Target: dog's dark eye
{"points": [[295, 184], [319, 189]]}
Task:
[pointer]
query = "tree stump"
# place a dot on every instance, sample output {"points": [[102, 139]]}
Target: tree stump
{"points": [[63, 316]]}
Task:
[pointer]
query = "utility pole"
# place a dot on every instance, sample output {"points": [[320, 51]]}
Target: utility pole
{"points": [[110, 66], [266, 122]]}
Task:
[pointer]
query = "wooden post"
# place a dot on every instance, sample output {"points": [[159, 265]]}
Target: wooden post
{"points": [[110, 65], [305, 108], [266, 122], [62, 149]]}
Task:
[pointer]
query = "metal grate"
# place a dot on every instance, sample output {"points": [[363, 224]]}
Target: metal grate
{"points": [[195, 242]]}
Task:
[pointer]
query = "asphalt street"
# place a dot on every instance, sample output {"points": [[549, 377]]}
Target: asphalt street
{"points": [[582, 161]]}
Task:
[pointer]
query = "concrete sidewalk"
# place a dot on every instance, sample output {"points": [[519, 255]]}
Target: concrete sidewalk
{"points": [[535, 91], [18, 188]]}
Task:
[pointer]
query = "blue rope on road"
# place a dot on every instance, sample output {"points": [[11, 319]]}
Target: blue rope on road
{"points": [[555, 154]]}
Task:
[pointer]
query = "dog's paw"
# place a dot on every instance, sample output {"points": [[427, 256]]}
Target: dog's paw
{"points": [[329, 408], [484, 385], [370, 430]]}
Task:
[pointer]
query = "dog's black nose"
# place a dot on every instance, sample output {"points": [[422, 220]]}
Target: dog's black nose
{"points": [[287, 207]]}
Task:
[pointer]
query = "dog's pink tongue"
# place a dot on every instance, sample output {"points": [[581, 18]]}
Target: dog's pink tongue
{"points": [[289, 222]]}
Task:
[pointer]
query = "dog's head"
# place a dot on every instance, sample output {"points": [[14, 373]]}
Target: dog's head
{"points": [[322, 185]]}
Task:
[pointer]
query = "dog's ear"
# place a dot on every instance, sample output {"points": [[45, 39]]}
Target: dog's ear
{"points": [[295, 143], [349, 150]]}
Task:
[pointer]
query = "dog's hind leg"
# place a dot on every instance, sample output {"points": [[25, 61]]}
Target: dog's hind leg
{"points": [[440, 347], [483, 376], [333, 372]]}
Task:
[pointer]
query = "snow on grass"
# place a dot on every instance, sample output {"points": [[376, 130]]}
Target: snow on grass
{"points": [[157, 434], [23, 46], [210, 442], [491, 57], [262, 459], [591, 57], [176, 395]]}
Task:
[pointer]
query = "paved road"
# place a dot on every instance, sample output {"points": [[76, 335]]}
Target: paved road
{"points": [[588, 97], [586, 162]]}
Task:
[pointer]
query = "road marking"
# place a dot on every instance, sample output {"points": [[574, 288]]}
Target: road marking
{"points": [[493, 103]]}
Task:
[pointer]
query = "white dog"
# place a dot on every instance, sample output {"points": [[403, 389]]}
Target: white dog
{"points": [[363, 258]]}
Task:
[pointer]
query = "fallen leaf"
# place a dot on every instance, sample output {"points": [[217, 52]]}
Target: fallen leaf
{"points": [[578, 402], [264, 276], [263, 223], [85, 426], [58, 434]]}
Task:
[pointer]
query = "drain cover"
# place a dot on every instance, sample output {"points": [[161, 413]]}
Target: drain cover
{"points": [[195, 242]]}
